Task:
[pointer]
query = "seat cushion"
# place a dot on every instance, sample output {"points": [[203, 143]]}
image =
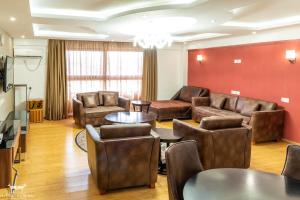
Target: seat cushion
{"points": [[206, 111], [101, 111], [169, 109]]}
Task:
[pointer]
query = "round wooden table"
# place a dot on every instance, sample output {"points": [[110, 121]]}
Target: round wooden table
{"points": [[140, 105], [131, 118], [166, 136], [240, 184]]}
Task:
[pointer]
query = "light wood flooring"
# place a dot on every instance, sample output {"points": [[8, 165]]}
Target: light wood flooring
{"points": [[55, 168]]}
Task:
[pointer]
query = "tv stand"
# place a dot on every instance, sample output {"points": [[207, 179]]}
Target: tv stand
{"points": [[10, 150]]}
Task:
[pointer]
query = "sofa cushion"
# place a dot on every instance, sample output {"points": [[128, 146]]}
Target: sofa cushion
{"points": [[206, 111], [89, 101], [247, 103], [230, 103], [218, 122], [217, 100], [187, 92], [248, 109], [265, 105], [80, 96], [101, 97], [125, 130], [101, 111], [110, 99]]}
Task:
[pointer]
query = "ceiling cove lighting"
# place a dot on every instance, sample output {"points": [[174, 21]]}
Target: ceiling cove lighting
{"points": [[265, 24], [201, 36], [62, 34], [103, 14], [290, 55]]}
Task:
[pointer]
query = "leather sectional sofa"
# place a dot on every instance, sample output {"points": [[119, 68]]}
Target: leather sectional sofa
{"points": [[179, 106], [85, 114], [265, 118]]}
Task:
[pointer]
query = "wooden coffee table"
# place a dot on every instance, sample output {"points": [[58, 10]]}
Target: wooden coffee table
{"points": [[140, 105], [131, 118], [166, 136]]}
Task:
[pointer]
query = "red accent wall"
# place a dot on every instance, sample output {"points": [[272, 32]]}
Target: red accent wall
{"points": [[264, 74]]}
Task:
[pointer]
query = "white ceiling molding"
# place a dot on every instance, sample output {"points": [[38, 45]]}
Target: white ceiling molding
{"points": [[288, 33], [102, 15], [265, 24], [62, 34], [201, 36]]}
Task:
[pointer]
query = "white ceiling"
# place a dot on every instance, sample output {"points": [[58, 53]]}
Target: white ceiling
{"points": [[120, 20]]}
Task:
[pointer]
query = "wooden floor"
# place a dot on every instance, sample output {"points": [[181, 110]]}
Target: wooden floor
{"points": [[55, 168]]}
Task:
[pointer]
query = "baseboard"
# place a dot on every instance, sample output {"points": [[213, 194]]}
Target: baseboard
{"points": [[289, 141]]}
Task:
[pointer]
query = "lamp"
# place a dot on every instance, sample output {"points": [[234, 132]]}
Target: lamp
{"points": [[290, 55], [199, 58]]}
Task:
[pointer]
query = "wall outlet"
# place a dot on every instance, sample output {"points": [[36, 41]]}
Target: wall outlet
{"points": [[237, 61], [285, 100], [236, 92]]}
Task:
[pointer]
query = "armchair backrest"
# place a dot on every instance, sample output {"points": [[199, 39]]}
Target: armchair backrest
{"points": [[219, 148], [120, 162], [124, 131]]}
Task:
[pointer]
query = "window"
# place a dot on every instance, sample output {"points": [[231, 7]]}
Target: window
{"points": [[89, 71]]}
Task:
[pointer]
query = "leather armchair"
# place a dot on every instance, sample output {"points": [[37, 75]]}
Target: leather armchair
{"points": [[292, 162], [181, 165], [122, 156], [222, 142]]}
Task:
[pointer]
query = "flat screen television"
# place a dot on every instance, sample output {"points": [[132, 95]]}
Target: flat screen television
{"points": [[8, 74]]}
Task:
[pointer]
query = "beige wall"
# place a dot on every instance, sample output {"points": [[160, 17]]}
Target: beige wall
{"points": [[6, 99]]}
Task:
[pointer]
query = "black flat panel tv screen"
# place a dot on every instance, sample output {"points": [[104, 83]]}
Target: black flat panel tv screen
{"points": [[8, 78]]}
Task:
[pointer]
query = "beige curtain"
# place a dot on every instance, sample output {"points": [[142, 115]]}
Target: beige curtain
{"points": [[149, 80], [56, 92], [110, 66]]}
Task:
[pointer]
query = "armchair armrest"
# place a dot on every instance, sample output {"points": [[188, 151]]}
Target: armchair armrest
{"points": [[200, 101], [97, 158], [124, 103], [267, 125], [201, 136], [78, 112]]}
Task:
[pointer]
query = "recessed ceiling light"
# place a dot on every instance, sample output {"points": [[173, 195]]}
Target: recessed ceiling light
{"points": [[22, 36], [213, 21], [253, 32], [12, 19]]}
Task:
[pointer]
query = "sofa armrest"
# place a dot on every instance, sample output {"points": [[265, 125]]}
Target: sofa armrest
{"points": [[176, 96], [267, 125], [200, 101], [154, 156], [78, 112], [124, 103], [201, 136]]}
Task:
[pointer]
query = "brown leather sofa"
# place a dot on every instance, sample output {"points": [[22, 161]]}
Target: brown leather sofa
{"points": [[94, 114], [122, 156], [265, 118], [179, 106], [222, 142]]}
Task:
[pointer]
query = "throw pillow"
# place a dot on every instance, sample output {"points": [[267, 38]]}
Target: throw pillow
{"points": [[110, 99], [249, 108], [217, 100], [89, 101]]}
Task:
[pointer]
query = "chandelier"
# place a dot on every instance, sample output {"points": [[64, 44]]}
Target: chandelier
{"points": [[153, 40]]}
